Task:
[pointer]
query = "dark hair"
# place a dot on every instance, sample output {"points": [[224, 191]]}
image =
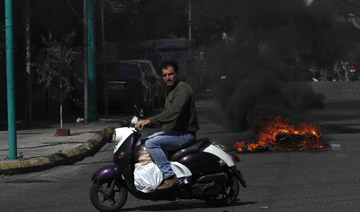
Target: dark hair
{"points": [[168, 64]]}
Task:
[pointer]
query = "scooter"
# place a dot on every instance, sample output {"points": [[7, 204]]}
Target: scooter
{"points": [[353, 73], [204, 171]]}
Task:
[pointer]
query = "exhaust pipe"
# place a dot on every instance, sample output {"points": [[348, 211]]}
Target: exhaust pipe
{"points": [[213, 177]]}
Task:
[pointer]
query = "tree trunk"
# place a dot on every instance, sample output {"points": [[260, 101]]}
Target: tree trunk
{"points": [[61, 105]]}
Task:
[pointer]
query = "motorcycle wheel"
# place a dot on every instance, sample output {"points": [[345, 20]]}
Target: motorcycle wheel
{"points": [[229, 194], [105, 200]]}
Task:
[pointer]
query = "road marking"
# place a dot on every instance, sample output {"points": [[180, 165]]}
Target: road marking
{"points": [[335, 147], [339, 152]]}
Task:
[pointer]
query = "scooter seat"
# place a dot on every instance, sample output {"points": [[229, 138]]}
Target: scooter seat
{"points": [[199, 145]]}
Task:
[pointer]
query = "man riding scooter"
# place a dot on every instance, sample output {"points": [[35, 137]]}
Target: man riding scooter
{"points": [[179, 120]]}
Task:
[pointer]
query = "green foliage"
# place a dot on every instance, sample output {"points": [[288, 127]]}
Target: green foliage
{"points": [[22, 156], [136, 20], [56, 70]]}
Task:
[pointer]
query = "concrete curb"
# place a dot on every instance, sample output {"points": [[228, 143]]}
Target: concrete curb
{"points": [[71, 156]]}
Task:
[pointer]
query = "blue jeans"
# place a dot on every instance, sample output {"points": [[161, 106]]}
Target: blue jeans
{"points": [[159, 146]]}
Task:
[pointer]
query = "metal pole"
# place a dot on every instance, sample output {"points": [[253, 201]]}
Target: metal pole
{"points": [[93, 114], [28, 62], [86, 100], [106, 106], [190, 20], [102, 24], [10, 80]]}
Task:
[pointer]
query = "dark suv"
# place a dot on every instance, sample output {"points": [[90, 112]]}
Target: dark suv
{"points": [[127, 84], [158, 86]]}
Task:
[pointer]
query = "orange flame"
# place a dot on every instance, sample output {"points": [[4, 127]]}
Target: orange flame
{"points": [[279, 135]]}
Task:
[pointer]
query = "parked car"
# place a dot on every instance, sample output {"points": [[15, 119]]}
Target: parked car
{"points": [[311, 75], [128, 84], [157, 85]]}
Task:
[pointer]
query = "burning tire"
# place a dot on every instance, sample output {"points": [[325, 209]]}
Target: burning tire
{"points": [[106, 199], [279, 135], [230, 191]]}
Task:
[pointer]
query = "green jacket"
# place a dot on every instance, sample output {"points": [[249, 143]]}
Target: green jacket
{"points": [[180, 112]]}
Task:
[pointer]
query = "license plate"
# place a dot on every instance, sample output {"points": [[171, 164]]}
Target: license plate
{"points": [[352, 70]]}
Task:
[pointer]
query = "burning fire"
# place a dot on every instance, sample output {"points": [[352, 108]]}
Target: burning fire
{"points": [[278, 135]]}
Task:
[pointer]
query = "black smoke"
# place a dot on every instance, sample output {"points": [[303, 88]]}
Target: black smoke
{"points": [[269, 44]]}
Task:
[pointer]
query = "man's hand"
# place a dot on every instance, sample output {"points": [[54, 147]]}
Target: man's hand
{"points": [[140, 125]]}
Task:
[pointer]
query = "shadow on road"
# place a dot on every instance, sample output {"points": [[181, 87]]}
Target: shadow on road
{"points": [[183, 205], [91, 163]]}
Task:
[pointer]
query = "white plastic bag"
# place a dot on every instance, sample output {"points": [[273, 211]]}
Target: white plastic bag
{"points": [[147, 177]]}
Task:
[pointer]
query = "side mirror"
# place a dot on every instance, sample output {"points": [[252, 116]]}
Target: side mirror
{"points": [[138, 112], [134, 121]]}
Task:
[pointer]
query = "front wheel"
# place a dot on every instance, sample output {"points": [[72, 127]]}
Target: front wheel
{"points": [[228, 195], [108, 195]]}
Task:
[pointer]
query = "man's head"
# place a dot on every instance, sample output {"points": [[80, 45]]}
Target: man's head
{"points": [[170, 73]]}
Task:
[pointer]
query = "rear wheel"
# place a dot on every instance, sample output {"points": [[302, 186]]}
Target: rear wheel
{"points": [[228, 195], [106, 199]]}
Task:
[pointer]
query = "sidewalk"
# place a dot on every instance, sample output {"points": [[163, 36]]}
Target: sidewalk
{"points": [[39, 149]]}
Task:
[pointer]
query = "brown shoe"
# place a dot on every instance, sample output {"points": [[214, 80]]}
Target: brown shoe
{"points": [[168, 182]]}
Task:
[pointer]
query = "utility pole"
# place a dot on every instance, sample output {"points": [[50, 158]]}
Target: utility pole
{"points": [[10, 80], [190, 20], [28, 62], [102, 24], [106, 105], [93, 114], [85, 60]]}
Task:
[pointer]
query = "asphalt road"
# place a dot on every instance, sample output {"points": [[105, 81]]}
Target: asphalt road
{"points": [[313, 180]]}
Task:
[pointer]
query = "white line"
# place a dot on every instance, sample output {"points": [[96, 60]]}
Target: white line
{"points": [[335, 147]]}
